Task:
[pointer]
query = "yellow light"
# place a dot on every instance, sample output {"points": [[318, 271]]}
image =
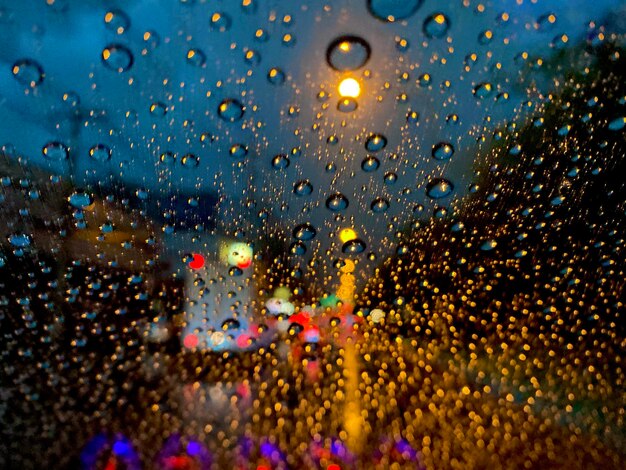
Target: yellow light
{"points": [[347, 234], [345, 46], [349, 87]]}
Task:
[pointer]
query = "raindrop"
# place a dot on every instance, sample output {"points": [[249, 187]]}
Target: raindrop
{"points": [[379, 205], [412, 117], [55, 151], [337, 202], [28, 72], [190, 160], [80, 199], [393, 10], [442, 151], [304, 232], [438, 188], [483, 90], [297, 248], [348, 53], [375, 142], [116, 21], [100, 153], [19, 240], [168, 158], [303, 188], [370, 164], [220, 22], [424, 80], [436, 25], [238, 151], [280, 161], [617, 124], [354, 247], [158, 109], [196, 57], [230, 110], [276, 76], [390, 178], [117, 57], [347, 105]]}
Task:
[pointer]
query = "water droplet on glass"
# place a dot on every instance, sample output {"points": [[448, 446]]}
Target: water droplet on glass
{"points": [[100, 152], [220, 22], [354, 247], [483, 90], [348, 53], [438, 188], [424, 80], [375, 142], [304, 232], [442, 151], [116, 21], [196, 57], [276, 76], [80, 199], [280, 162], [436, 25], [303, 188], [393, 10], [347, 105], [190, 161], [337, 202], [19, 240], [380, 204], [230, 110], [168, 158], [370, 163], [390, 178], [28, 72], [117, 57], [238, 151], [55, 151]]}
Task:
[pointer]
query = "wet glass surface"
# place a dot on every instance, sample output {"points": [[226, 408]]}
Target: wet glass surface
{"points": [[254, 234]]}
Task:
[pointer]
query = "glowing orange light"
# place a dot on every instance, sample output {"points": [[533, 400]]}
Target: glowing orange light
{"points": [[349, 87]]}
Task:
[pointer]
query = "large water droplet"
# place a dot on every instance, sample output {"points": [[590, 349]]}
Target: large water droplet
{"points": [[230, 110], [348, 53], [280, 162], [55, 151], [375, 142], [117, 57], [304, 232], [483, 90], [442, 151], [370, 164], [196, 57], [190, 160], [80, 199], [337, 202], [393, 10], [303, 188], [380, 204], [28, 72], [19, 240], [347, 105], [100, 152], [276, 76], [438, 188], [238, 151], [116, 21], [436, 25], [354, 247], [220, 22]]}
